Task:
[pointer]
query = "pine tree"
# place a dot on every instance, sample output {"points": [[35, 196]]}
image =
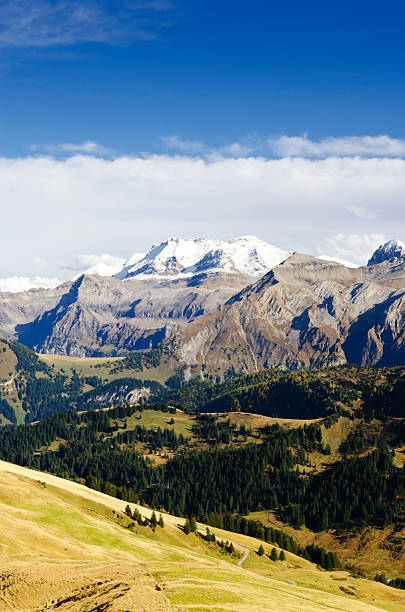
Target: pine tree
{"points": [[282, 556], [161, 522], [274, 555], [260, 550], [153, 520], [128, 511]]}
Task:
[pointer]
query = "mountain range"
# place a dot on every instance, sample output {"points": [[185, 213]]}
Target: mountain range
{"points": [[223, 306]]}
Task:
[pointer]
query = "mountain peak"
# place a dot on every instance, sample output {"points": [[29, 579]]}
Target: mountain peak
{"points": [[387, 251], [185, 257]]}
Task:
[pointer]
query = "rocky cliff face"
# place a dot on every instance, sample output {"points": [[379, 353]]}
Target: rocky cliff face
{"points": [[150, 298], [306, 312], [104, 316]]}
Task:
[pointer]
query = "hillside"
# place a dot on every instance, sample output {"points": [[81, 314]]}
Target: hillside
{"points": [[338, 478], [320, 451], [67, 547]]}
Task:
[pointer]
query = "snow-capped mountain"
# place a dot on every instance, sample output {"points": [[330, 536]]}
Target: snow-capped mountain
{"points": [[182, 257], [387, 251]]}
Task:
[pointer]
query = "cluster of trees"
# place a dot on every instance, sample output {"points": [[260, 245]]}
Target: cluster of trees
{"points": [[155, 439], [397, 583], [386, 399], [190, 526], [256, 529], [7, 410], [207, 427], [302, 394], [308, 438], [136, 516], [274, 556], [254, 476], [223, 545], [138, 360], [358, 491], [361, 438]]}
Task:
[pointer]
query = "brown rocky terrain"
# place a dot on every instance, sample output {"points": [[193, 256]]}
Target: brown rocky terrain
{"points": [[97, 315], [305, 313]]}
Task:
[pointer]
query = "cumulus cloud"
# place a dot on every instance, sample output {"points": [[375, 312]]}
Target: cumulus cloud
{"points": [[368, 146], [356, 247], [15, 284], [51, 23], [55, 208], [88, 147], [104, 264]]}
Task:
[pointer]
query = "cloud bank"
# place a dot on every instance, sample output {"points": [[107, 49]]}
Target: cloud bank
{"points": [[15, 284], [295, 146], [55, 208]]}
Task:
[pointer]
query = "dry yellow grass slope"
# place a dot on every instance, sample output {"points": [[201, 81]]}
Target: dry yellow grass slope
{"points": [[63, 548]]}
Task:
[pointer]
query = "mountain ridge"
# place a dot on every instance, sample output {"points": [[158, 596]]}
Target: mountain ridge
{"points": [[303, 312]]}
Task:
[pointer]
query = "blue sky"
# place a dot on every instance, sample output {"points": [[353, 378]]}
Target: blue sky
{"points": [[122, 121], [210, 71]]}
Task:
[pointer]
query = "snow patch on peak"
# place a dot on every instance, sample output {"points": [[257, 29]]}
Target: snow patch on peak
{"points": [[182, 257], [387, 251]]}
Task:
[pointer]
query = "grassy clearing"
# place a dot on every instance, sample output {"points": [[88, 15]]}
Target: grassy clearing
{"points": [[104, 367], [8, 362], [257, 421], [155, 418]]}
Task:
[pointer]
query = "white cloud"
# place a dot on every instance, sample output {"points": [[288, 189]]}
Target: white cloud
{"points": [[361, 212], [86, 261], [355, 247], [369, 146], [15, 284], [176, 143], [196, 147], [88, 147], [56, 208], [236, 149], [104, 264], [51, 23]]}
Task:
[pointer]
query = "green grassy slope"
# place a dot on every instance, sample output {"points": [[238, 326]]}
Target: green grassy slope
{"points": [[68, 547]]}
